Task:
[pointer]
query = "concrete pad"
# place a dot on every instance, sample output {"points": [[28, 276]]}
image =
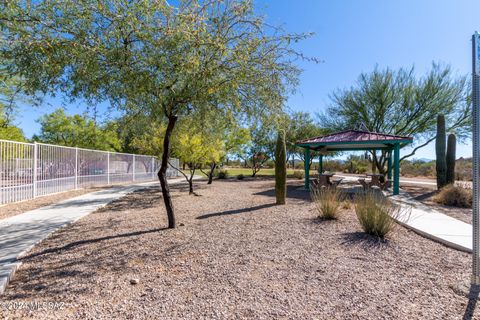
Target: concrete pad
{"points": [[18, 234]]}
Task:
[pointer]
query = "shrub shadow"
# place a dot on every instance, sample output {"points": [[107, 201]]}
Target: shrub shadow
{"points": [[364, 240]]}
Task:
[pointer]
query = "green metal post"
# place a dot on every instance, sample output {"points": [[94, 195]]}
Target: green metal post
{"points": [[396, 171], [389, 165], [306, 166], [320, 164]]}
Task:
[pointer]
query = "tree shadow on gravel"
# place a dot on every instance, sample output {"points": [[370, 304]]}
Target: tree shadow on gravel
{"points": [[56, 270], [364, 240], [147, 198], [89, 241], [235, 211], [293, 192]]}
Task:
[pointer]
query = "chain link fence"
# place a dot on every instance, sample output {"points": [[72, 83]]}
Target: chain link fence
{"points": [[30, 170]]}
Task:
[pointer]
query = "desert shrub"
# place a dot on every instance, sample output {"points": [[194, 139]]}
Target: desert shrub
{"points": [[298, 174], [453, 195], [333, 165], [327, 201], [376, 213], [418, 168], [463, 169], [222, 174], [240, 177]]}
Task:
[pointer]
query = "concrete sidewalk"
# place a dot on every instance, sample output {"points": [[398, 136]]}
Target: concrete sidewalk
{"points": [[18, 234], [433, 224]]}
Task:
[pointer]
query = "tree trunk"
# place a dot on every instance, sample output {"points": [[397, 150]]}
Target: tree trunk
{"points": [[190, 185], [162, 173], [213, 165]]}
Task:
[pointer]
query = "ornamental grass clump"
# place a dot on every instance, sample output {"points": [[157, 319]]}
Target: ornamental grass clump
{"points": [[376, 213], [327, 201]]}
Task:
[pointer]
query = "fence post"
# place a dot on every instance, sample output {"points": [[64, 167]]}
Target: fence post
{"points": [[108, 168], [35, 163], [133, 170], [76, 168]]}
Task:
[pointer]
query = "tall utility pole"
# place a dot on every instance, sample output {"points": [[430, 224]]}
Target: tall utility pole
{"points": [[476, 157]]}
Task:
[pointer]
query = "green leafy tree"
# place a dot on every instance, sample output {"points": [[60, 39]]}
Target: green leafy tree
{"points": [[300, 126], [77, 131], [196, 146], [152, 58], [11, 93], [397, 102], [261, 147], [11, 132]]}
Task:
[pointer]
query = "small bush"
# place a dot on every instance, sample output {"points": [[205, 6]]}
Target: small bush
{"points": [[457, 196], [298, 174], [376, 214], [222, 174], [240, 177], [327, 201]]}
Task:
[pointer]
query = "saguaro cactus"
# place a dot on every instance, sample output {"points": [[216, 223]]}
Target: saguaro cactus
{"points": [[441, 164], [450, 158], [280, 168]]}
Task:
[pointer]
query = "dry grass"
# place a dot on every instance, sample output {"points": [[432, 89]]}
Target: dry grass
{"points": [[298, 174], [327, 201], [376, 214], [453, 195]]}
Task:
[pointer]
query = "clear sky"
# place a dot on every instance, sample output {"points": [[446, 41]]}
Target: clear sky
{"points": [[352, 36]]}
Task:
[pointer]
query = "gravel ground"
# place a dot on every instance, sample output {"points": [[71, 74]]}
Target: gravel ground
{"points": [[235, 255], [13, 209]]}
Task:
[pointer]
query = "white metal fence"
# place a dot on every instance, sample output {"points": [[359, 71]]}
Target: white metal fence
{"points": [[29, 170]]}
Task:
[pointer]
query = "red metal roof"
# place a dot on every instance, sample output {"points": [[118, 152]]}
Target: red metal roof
{"points": [[354, 136]]}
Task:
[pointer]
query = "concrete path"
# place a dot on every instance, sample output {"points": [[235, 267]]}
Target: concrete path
{"points": [[18, 234], [433, 224], [354, 178]]}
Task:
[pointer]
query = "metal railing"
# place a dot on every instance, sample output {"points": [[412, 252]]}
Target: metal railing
{"points": [[30, 170]]}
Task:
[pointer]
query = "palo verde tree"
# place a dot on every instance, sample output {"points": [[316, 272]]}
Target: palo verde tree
{"points": [[398, 102], [198, 143], [151, 57]]}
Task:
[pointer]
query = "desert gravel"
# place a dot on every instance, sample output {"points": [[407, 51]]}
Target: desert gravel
{"points": [[235, 256]]}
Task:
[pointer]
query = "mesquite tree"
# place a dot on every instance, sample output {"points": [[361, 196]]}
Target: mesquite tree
{"points": [[398, 102], [450, 158], [280, 168], [441, 165], [151, 58]]}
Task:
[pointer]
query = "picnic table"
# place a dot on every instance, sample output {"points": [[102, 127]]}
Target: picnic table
{"points": [[324, 180], [375, 181]]}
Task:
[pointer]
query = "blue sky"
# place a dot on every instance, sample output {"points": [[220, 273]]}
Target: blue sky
{"points": [[352, 37]]}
